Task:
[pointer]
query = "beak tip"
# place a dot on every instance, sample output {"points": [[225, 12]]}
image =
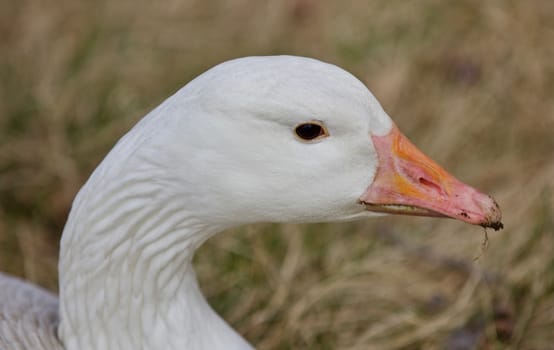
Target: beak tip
{"points": [[493, 217], [495, 225]]}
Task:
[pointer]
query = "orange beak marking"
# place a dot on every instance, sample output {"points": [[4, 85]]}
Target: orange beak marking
{"points": [[410, 183]]}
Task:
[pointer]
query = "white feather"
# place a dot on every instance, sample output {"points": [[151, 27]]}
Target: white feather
{"points": [[220, 152]]}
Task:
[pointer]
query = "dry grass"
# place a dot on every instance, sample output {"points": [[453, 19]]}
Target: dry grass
{"points": [[471, 82]]}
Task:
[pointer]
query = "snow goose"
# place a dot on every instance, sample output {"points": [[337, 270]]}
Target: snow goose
{"points": [[258, 139]]}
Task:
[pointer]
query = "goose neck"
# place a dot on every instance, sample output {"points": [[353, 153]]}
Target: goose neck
{"points": [[126, 274]]}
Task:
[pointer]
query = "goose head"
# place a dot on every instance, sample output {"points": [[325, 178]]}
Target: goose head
{"points": [[259, 139], [291, 139]]}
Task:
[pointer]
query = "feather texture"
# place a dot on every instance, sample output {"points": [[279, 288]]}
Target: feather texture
{"points": [[28, 316]]}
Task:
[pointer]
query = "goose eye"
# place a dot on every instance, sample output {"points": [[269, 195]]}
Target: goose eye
{"points": [[310, 131]]}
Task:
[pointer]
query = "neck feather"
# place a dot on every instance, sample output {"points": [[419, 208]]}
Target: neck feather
{"points": [[126, 275]]}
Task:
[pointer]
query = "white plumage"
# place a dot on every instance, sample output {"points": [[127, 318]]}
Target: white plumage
{"points": [[219, 153]]}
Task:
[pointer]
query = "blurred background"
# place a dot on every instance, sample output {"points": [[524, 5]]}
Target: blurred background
{"points": [[470, 82]]}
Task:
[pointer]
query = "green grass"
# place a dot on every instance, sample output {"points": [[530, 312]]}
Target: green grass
{"points": [[470, 82]]}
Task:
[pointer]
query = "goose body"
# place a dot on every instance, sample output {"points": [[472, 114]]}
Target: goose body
{"points": [[257, 139]]}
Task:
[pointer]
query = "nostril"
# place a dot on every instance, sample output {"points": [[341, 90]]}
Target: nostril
{"points": [[430, 184]]}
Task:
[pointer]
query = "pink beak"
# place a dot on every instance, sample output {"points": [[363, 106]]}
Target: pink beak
{"points": [[410, 183]]}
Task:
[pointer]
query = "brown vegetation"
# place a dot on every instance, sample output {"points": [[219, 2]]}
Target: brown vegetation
{"points": [[470, 82]]}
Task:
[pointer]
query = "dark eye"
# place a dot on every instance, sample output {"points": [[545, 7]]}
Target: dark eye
{"points": [[310, 130]]}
